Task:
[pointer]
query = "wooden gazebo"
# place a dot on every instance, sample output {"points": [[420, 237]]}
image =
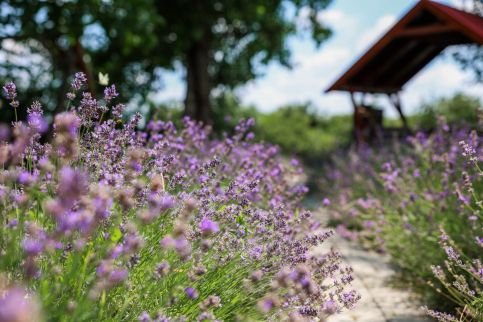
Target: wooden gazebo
{"points": [[416, 39]]}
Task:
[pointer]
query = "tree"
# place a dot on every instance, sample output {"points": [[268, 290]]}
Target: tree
{"points": [[222, 43], [45, 42], [470, 57]]}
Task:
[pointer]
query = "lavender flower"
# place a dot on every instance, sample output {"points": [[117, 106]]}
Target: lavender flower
{"points": [[144, 317], [18, 306], [268, 304], [32, 247], [440, 316], [117, 111], [66, 141], [88, 109], [191, 293], [72, 185], [432, 182], [10, 90], [35, 118], [452, 255], [105, 213], [330, 307], [79, 80], [117, 276], [208, 227], [110, 93]]}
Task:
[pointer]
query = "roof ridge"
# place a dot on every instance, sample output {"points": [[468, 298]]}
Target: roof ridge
{"points": [[407, 49]]}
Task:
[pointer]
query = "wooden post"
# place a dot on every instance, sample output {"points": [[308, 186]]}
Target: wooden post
{"points": [[355, 128], [396, 101]]}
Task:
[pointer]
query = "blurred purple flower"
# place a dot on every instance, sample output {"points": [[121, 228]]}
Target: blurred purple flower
{"points": [[208, 226], [32, 247], [117, 276], [167, 202], [191, 293], [452, 254], [416, 173], [10, 90], [73, 183], [330, 307], [18, 306]]}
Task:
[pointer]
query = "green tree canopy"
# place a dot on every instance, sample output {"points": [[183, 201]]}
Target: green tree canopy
{"points": [[221, 43], [43, 43], [470, 57]]}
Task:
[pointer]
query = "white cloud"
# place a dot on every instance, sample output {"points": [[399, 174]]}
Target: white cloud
{"points": [[173, 87], [462, 4], [312, 73], [441, 78], [315, 70], [369, 37], [332, 17], [302, 18], [337, 20]]}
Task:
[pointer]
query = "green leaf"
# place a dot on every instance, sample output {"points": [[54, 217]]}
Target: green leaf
{"points": [[116, 235]]}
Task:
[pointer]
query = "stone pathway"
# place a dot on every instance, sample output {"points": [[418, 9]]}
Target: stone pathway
{"points": [[380, 302]]}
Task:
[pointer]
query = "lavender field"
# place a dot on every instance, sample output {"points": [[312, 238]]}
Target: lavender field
{"points": [[104, 222], [107, 223], [419, 201], [219, 160]]}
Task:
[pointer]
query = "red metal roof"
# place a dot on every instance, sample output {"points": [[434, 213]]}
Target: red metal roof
{"points": [[416, 39]]}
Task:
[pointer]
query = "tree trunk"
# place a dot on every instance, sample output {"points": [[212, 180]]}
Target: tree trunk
{"points": [[65, 65], [198, 89], [69, 62], [84, 67]]}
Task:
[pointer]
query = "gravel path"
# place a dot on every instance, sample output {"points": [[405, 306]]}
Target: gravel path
{"points": [[380, 302]]}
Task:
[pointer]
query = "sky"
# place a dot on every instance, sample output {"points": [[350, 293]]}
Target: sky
{"points": [[356, 24]]}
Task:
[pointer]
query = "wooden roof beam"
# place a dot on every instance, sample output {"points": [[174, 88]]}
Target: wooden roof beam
{"points": [[387, 64], [426, 30], [415, 64], [369, 89], [456, 27]]}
